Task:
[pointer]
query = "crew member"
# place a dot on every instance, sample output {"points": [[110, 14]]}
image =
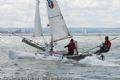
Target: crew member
{"points": [[71, 47], [104, 48]]}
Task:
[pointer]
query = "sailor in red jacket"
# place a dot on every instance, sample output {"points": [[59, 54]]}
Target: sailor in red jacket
{"points": [[105, 47], [71, 47]]}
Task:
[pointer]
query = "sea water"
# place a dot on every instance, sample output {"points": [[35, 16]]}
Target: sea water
{"points": [[89, 68]]}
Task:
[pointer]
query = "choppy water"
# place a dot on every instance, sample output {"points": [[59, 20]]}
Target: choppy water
{"points": [[37, 69]]}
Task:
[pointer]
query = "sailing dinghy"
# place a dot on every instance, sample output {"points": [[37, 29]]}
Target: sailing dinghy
{"points": [[58, 29]]}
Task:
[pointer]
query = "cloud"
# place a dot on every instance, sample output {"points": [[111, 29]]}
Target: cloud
{"points": [[94, 13], [78, 13]]}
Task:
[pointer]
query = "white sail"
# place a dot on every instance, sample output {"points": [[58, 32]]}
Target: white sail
{"points": [[57, 24], [37, 24]]}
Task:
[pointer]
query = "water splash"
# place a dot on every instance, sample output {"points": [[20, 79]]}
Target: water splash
{"points": [[93, 60]]}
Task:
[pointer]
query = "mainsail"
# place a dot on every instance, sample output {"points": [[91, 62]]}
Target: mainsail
{"points": [[37, 24], [57, 24]]}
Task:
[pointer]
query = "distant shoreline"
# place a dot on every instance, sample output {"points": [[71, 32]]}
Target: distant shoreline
{"points": [[73, 31], [74, 34]]}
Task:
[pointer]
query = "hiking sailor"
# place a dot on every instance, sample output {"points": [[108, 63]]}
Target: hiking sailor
{"points": [[71, 47], [104, 48]]}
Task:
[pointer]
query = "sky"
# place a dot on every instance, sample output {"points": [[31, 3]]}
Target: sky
{"points": [[77, 13]]}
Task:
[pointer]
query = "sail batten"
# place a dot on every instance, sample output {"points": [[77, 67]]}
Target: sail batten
{"points": [[62, 38], [56, 21], [54, 16]]}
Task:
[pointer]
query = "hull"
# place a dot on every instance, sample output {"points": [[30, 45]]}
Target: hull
{"points": [[54, 55], [13, 54], [78, 57]]}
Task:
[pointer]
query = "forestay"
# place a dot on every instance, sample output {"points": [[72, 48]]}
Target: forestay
{"points": [[57, 24]]}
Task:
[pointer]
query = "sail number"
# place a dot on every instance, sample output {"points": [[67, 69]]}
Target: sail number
{"points": [[50, 3]]}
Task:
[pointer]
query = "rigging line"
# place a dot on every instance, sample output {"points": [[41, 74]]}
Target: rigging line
{"points": [[43, 39], [67, 17], [55, 16], [46, 43], [98, 45], [51, 43]]}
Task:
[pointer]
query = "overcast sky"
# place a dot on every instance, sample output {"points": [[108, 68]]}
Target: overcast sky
{"points": [[77, 13]]}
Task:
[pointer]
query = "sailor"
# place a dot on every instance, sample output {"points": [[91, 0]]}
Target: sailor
{"points": [[105, 47], [71, 47]]}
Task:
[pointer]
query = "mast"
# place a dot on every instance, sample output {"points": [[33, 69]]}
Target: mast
{"points": [[51, 43]]}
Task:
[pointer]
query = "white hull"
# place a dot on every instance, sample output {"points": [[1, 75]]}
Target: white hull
{"points": [[56, 55], [13, 54]]}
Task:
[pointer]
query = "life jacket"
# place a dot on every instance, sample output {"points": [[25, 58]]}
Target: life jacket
{"points": [[71, 46], [107, 45]]}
